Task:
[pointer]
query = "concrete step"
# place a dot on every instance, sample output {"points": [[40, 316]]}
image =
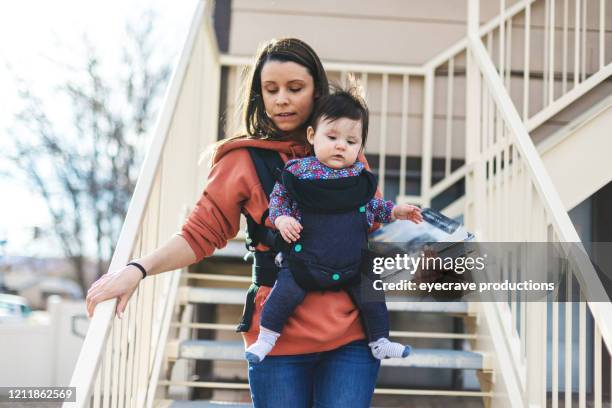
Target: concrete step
{"points": [[393, 393], [234, 350], [199, 404], [231, 296]]}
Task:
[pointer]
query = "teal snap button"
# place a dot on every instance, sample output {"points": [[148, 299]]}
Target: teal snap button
{"points": [[361, 209], [298, 247], [335, 276]]}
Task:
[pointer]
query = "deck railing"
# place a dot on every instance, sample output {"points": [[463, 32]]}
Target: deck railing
{"points": [[511, 198], [121, 359], [576, 55]]}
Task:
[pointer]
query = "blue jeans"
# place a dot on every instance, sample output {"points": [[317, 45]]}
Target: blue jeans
{"points": [[340, 378]]}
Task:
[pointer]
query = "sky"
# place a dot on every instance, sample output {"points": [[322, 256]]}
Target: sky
{"points": [[38, 38]]}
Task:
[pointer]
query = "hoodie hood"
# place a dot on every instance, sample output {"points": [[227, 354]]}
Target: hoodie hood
{"points": [[291, 148]]}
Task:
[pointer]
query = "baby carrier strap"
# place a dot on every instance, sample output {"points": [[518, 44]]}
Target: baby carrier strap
{"points": [[268, 165]]}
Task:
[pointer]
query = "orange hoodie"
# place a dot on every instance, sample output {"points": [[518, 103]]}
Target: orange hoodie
{"points": [[324, 320]]}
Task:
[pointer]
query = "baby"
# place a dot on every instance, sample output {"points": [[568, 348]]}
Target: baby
{"points": [[323, 207]]}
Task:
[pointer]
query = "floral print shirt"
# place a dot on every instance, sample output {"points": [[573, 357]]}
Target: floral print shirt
{"points": [[310, 168]]}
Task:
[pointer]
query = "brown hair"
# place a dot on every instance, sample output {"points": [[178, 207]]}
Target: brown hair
{"points": [[343, 103], [257, 124]]}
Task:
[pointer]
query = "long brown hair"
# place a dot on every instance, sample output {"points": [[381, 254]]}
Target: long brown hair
{"points": [[256, 123]]}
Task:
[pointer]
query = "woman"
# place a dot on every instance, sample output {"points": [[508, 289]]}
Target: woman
{"points": [[322, 358]]}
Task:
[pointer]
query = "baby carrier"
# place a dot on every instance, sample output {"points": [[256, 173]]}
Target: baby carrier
{"points": [[335, 229], [319, 260]]}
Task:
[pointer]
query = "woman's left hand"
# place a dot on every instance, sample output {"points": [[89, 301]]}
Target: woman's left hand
{"points": [[118, 284]]}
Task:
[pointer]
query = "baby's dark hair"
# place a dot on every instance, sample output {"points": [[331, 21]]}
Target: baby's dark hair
{"points": [[342, 103]]}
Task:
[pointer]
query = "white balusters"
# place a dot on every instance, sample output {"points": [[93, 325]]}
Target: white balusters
{"points": [[565, 47], [582, 344], [449, 117], [602, 33], [577, 52], [527, 63], [568, 341], [404, 134], [382, 154]]}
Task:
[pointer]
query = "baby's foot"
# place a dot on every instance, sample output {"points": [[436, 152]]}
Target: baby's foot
{"points": [[383, 348], [257, 351]]}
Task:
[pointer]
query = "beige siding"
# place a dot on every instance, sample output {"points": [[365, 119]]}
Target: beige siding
{"points": [[394, 42], [392, 31], [452, 11]]}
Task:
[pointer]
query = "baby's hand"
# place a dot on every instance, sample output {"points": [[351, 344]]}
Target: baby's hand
{"points": [[407, 212], [289, 228]]}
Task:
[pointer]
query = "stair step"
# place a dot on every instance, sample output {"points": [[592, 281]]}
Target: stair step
{"points": [[425, 358], [392, 333], [241, 386], [200, 404], [232, 296]]}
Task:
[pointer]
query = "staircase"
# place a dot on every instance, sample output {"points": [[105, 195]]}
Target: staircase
{"points": [[233, 350], [480, 154]]}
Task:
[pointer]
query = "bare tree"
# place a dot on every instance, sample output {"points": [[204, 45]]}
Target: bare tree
{"points": [[86, 174]]}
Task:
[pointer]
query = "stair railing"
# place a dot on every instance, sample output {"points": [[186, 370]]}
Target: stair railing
{"points": [[542, 84], [120, 359], [511, 198]]}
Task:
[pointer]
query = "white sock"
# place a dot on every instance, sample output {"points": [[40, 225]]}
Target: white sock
{"points": [[266, 340], [383, 348]]}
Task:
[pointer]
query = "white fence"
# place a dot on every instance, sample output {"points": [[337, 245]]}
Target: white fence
{"points": [[44, 350]]}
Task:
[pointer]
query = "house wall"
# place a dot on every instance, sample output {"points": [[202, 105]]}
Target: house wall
{"points": [[382, 32]]}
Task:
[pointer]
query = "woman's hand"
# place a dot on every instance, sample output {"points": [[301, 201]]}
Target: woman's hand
{"points": [[289, 228], [407, 212], [120, 284], [176, 253]]}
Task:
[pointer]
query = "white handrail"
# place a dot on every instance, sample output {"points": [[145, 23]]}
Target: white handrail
{"points": [[551, 200], [96, 338], [504, 165]]}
